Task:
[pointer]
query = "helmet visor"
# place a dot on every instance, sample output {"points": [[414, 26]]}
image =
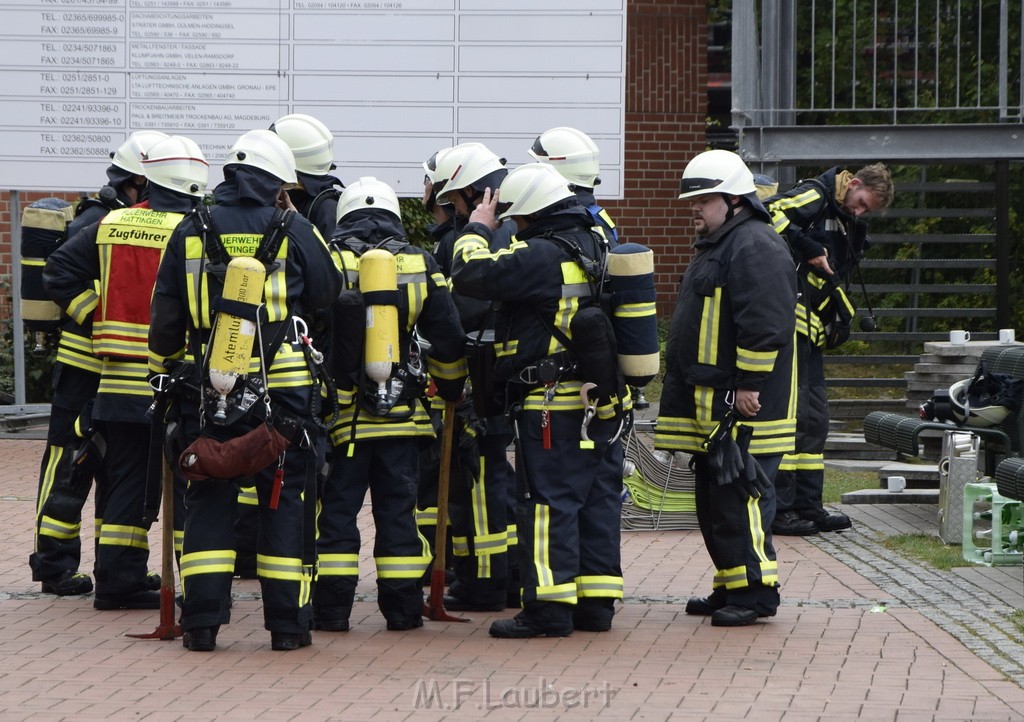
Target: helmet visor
{"points": [[695, 185]]}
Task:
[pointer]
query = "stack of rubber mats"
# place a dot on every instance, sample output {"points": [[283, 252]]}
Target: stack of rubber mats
{"points": [[657, 489]]}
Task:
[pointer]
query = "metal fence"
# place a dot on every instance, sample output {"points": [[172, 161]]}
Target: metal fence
{"points": [[820, 62]]}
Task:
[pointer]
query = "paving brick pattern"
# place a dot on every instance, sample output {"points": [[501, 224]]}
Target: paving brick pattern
{"points": [[860, 635]]}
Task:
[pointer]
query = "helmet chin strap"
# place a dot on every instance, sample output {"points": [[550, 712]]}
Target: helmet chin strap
{"points": [[730, 206]]}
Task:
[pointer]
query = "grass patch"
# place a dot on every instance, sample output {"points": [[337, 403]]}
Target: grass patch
{"points": [[1017, 618], [926, 548], [839, 482]]}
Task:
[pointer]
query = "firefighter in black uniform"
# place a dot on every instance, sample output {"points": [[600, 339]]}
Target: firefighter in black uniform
{"points": [[121, 255], [482, 509], [315, 197], [568, 482], [76, 376], [300, 281], [730, 355], [376, 437], [821, 220]]}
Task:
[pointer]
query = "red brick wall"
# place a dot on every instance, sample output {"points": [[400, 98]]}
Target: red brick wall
{"points": [[666, 107], [666, 104]]}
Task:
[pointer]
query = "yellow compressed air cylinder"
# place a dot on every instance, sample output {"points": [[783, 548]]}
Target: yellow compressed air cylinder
{"points": [[233, 336], [378, 272]]}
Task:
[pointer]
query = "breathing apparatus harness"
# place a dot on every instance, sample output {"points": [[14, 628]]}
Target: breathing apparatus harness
{"points": [[590, 354], [408, 380]]}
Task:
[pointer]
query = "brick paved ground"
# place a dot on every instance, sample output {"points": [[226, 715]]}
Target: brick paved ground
{"points": [[860, 636]]}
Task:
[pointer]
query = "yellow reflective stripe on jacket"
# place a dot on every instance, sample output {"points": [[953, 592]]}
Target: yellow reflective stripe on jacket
{"points": [[214, 561], [449, 371], [76, 350], [124, 377], [802, 462], [779, 221], [506, 348], [748, 360], [82, 306], [566, 398], [369, 427], [809, 324]]}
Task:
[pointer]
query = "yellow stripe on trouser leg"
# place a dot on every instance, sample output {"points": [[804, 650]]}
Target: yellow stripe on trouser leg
{"points": [[401, 567], [126, 536], [599, 586], [214, 561], [338, 565]]}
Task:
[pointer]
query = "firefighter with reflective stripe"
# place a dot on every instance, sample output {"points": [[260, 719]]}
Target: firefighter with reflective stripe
{"points": [[192, 291], [315, 195], [482, 504], [576, 156], [821, 220], [569, 475], [382, 419], [730, 351], [76, 376], [122, 254]]}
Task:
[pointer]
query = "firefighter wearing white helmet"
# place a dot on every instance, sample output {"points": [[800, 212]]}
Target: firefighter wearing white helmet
{"points": [[391, 287], [728, 396], [576, 156], [248, 235], [119, 257], [177, 164], [483, 522], [316, 194], [76, 375], [568, 448]]}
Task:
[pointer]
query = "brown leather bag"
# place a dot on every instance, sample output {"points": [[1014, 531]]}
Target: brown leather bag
{"points": [[242, 456]]}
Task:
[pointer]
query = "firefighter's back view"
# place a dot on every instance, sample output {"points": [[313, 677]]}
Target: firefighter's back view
{"points": [[245, 268]]}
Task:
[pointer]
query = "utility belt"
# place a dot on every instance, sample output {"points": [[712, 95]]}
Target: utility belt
{"points": [[548, 370], [181, 385]]}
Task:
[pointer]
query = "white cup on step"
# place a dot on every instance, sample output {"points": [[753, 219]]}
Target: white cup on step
{"points": [[896, 484], [959, 337], [1006, 335]]}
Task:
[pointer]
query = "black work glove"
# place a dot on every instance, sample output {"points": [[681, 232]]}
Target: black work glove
{"points": [[724, 457], [753, 481], [469, 429]]}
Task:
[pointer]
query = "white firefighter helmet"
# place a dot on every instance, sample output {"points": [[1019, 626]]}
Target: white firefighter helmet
{"points": [[130, 153], [265, 150], [972, 409], [177, 163], [310, 140], [430, 164], [530, 189], [571, 152], [467, 165], [716, 171], [369, 193]]}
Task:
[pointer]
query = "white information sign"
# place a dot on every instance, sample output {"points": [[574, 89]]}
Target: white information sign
{"points": [[395, 81]]}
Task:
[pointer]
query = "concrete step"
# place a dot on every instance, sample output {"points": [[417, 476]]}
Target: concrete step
{"points": [[918, 476], [884, 496], [841, 445]]}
